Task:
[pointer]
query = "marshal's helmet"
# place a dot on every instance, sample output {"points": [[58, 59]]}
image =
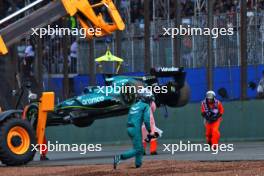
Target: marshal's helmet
{"points": [[210, 95]]}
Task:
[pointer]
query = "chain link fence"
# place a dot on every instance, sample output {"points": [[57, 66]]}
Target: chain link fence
{"points": [[226, 49]]}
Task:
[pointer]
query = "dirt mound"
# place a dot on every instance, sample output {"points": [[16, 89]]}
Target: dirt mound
{"points": [[150, 168]]}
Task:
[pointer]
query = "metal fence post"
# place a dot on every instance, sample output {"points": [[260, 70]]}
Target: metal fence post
{"points": [[209, 46], [243, 48], [177, 40], [39, 62], [91, 63], [147, 36], [65, 49]]}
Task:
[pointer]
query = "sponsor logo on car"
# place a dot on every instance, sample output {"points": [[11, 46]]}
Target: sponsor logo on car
{"points": [[167, 69], [92, 100], [69, 103], [121, 81]]}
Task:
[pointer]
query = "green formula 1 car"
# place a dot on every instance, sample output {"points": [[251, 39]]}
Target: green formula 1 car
{"points": [[168, 86]]}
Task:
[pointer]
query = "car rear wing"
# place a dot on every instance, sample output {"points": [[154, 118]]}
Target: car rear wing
{"points": [[178, 74], [166, 71]]}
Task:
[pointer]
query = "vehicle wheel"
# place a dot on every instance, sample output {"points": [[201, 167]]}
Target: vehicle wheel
{"points": [[184, 95], [16, 140], [128, 97], [84, 124], [32, 116]]}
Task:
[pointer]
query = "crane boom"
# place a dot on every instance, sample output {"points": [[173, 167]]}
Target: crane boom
{"points": [[82, 9]]}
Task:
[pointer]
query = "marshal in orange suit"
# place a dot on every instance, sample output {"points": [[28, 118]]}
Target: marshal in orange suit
{"points": [[212, 111]]}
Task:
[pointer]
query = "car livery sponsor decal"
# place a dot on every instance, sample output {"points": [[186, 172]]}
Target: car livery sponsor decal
{"points": [[69, 103], [167, 69], [92, 100], [109, 79], [121, 81]]}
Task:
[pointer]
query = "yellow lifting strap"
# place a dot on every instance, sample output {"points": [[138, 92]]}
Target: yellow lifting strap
{"points": [[109, 57], [3, 48]]}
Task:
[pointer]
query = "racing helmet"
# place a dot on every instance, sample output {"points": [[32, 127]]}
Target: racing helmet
{"points": [[210, 95]]}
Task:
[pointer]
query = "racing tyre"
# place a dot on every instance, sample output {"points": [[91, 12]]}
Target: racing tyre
{"points": [[128, 96], [184, 95], [16, 140], [182, 98], [32, 115], [83, 124]]}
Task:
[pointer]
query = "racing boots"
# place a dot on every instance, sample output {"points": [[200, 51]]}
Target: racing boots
{"points": [[117, 159], [43, 158]]}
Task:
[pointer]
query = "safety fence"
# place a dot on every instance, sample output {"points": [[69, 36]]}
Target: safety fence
{"points": [[226, 49], [242, 121], [52, 52], [227, 78]]}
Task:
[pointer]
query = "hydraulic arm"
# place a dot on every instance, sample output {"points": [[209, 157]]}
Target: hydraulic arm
{"points": [[84, 11], [86, 14]]}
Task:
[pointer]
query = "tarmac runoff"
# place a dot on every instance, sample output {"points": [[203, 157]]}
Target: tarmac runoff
{"points": [[243, 151]]}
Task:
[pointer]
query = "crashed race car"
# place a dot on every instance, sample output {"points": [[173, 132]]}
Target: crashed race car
{"points": [[168, 86]]}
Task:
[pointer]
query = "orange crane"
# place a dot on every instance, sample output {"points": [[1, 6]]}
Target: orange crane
{"points": [[17, 136], [81, 9]]}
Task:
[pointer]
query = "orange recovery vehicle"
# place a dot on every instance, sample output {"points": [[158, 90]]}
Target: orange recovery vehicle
{"points": [[17, 136]]}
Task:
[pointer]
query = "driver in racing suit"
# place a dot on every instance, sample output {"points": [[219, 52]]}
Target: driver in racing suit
{"points": [[139, 113]]}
